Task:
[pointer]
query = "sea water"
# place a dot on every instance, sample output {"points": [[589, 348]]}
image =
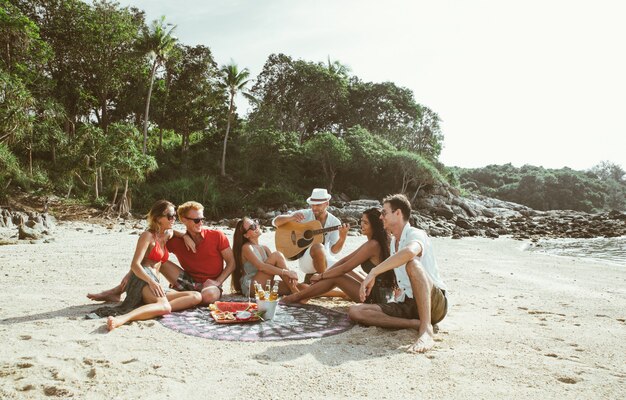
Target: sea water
{"points": [[612, 250]]}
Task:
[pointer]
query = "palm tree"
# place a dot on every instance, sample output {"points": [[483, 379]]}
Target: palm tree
{"points": [[234, 81], [337, 68], [158, 42]]}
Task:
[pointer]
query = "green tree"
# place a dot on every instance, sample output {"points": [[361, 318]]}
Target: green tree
{"points": [[234, 81], [410, 172], [329, 153], [159, 42], [298, 96], [195, 102]]}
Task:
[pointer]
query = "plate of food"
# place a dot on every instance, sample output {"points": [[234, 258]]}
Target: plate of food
{"points": [[224, 312]]}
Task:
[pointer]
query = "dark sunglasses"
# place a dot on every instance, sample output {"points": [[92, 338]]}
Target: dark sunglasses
{"points": [[197, 220], [170, 217], [253, 227]]}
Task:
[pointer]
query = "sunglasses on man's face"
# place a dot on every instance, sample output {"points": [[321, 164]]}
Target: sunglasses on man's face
{"points": [[196, 220], [170, 217], [253, 227]]}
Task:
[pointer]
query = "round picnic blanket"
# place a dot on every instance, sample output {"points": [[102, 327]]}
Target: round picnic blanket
{"points": [[291, 322]]}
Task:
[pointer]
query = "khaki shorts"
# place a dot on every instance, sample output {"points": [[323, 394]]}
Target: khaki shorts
{"points": [[408, 308]]}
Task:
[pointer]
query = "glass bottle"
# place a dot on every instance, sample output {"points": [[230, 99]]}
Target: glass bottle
{"points": [[274, 292]]}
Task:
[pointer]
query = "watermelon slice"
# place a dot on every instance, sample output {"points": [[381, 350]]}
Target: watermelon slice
{"points": [[233, 306]]}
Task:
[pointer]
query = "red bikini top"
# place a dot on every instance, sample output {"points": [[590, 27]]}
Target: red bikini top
{"points": [[157, 253]]}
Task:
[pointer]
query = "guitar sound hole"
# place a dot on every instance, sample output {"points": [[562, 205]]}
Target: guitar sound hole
{"points": [[307, 234]]}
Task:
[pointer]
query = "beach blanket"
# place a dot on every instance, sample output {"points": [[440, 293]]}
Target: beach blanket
{"points": [[291, 322]]}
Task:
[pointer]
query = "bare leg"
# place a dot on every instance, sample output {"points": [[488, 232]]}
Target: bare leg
{"points": [[183, 300], [347, 284], [422, 287], [170, 271], [373, 315], [154, 307], [278, 260], [319, 257], [111, 295], [210, 294]]}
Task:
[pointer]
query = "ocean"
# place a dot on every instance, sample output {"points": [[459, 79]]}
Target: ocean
{"points": [[612, 250]]}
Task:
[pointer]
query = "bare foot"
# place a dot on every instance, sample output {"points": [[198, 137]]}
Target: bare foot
{"points": [[110, 295], [112, 323], [292, 298], [424, 343]]}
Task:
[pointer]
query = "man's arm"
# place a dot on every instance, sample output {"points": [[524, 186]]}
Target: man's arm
{"points": [[406, 254], [343, 232], [229, 259], [283, 219]]}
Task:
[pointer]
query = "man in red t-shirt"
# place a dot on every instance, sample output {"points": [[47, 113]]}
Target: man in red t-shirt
{"points": [[204, 255]]}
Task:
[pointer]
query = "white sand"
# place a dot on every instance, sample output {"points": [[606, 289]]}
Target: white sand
{"points": [[521, 325]]}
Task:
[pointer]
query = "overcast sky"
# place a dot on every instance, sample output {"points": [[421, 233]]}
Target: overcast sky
{"points": [[539, 82]]}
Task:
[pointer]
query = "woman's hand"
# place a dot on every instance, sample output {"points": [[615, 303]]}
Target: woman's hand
{"points": [[156, 289], [189, 243], [316, 278], [290, 275]]}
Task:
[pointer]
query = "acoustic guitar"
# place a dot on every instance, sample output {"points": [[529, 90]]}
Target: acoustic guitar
{"points": [[293, 238]]}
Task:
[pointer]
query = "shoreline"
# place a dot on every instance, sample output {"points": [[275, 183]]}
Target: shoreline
{"points": [[521, 324]]}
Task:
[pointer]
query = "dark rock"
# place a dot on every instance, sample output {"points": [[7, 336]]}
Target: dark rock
{"points": [[614, 214], [463, 223], [445, 212], [489, 232]]}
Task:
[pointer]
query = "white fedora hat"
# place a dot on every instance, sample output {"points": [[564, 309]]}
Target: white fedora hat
{"points": [[318, 196]]}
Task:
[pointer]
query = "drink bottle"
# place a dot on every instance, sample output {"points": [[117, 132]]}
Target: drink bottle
{"points": [[274, 292]]}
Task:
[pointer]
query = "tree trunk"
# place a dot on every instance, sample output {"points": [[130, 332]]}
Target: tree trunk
{"points": [[100, 186], [230, 114], [95, 181], [415, 194], [115, 194], [30, 160], [124, 207], [145, 114]]}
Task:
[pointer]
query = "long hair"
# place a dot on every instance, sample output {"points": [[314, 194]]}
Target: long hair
{"points": [[156, 211], [238, 241], [380, 235]]}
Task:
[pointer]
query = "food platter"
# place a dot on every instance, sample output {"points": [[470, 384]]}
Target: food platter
{"points": [[234, 312]]}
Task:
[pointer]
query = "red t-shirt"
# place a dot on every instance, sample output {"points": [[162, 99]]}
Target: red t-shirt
{"points": [[207, 262]]}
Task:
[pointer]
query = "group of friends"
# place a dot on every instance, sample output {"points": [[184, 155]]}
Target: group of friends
{"points": [[402, 288]]}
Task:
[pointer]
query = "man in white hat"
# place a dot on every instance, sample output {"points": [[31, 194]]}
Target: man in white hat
{"points": [[318, 257]]}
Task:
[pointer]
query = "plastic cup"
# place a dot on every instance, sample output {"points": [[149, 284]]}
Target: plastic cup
{"points": [[269, 307]]}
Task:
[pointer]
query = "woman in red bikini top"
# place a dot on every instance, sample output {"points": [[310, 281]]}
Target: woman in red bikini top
{"points": [[145, 297]]}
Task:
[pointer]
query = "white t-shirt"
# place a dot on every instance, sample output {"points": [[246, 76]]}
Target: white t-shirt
{"points": [[427, 259]]}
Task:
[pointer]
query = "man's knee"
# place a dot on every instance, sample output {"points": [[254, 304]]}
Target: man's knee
{"points": [[360, 312], [415, 269], [210, 295], [317, 249], [165, 306], [354, 312]]}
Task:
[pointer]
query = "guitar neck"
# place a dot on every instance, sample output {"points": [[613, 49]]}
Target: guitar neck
{"points": [[324, 230]]}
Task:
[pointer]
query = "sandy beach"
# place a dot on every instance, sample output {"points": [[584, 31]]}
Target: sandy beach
{"points": [[521, 325]]}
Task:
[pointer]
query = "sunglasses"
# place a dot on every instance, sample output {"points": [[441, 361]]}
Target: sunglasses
{"points": [[253, 227], [170, 217], [384, 212], [197, 220]]}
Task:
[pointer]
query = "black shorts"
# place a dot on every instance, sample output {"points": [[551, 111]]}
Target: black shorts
{"points": [[408, 308]]}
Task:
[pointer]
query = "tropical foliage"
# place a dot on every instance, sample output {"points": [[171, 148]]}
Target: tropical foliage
{"points": [[97, 103]]}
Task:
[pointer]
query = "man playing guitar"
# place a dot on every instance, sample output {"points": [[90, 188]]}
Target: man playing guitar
{"points": [[320, 256]]}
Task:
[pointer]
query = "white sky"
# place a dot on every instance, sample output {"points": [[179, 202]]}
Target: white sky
{"points": [[539, 82]]}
